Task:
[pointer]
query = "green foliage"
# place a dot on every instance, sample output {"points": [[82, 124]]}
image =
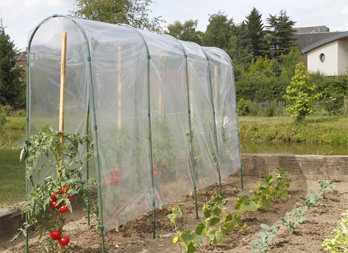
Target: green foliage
{"points": [[11, 75], [43, 151], [338, 242], [219, 31], [280, 34], [2, 120], [256, 33], [187, 240], [300, 94], [243, 107], [295, 217], [131, 12], [217, 225], [274, 188], [315, 129], [186, 31], [264, 239]]}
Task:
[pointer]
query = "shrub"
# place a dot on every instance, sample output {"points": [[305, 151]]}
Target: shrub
{"points": [[2, 120], [300, 94], [243, 107]]}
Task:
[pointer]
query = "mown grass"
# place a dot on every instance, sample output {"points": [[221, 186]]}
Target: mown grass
{"points": [[12, 133], [12, 178], [314, 129]]}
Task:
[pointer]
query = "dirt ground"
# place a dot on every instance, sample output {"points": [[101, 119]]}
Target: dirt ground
{"points": [[136, 236]]}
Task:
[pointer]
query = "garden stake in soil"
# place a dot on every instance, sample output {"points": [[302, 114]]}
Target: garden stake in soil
{"points": [[214, 118], [61, 118]]}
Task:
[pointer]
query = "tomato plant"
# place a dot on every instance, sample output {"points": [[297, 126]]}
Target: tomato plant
{"points": [[50, 196]]}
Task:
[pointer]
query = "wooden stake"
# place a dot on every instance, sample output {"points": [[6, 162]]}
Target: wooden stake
{"points": [[61, 115], [216, 86], [119, 72], [160, 110], [191, 90]]}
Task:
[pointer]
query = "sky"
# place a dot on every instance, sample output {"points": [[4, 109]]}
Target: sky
{"points": [[20, 16]]}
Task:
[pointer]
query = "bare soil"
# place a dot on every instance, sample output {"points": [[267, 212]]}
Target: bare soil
{"points": [[136, 236]]}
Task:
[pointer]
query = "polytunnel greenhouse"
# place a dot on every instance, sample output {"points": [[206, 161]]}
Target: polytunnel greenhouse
{"points": [[161, 112]]}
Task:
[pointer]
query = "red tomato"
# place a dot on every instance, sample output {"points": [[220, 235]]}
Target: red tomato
{"points": [[155, 173], [110, 181], [155, 167], [116, 171], [61, 191], [64, 209], [69, 198], [53, 204], [67, 187], [54, 197], [64, 240], [55, 234], [187, 176]]}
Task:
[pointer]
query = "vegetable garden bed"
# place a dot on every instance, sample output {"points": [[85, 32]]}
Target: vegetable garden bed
{"points": [[136, 236]]}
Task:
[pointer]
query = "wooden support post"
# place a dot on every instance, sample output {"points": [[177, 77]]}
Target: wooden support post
{"points": [[216, 91], [119, 78], [160, 109], [191, 90], [61, 116]]}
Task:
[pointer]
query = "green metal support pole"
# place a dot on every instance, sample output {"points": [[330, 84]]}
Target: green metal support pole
{"points": [[150, 130], [26, 138], [87, 169], [193, 172], [96, 151], [214, 118]]}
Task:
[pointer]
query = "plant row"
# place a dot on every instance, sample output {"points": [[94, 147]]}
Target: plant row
{"points": [[292, 218], [217, 223]]}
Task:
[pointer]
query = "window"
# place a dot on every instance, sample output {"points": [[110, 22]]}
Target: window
{"points": [[322, 57]]}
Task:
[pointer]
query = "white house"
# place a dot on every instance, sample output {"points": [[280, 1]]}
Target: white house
{"points": [[329, 56]]}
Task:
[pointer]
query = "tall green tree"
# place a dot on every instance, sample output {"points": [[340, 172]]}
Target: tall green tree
{"points": [[11, 83], [280, 34], [186, 31], [131, 12], [256, 33], [219, 30]]}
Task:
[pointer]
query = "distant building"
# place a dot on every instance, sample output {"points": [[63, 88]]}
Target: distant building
{"points": [[322, 50]]}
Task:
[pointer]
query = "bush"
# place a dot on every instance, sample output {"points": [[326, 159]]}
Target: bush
{"points": [[2, 120], [243, 107], [266, 109]]}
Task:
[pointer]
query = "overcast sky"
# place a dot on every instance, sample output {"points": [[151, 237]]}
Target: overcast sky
{"points": [[21, 16]]}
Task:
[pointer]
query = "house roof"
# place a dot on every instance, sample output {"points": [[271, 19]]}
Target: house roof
{"points": [[306, 39], [325, 40]]}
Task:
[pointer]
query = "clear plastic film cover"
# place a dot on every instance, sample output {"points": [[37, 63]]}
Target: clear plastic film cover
{"points": [[152, 94]]}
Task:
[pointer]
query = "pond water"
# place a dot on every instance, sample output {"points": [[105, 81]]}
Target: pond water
{"points": [[294, 148], [15, 139]]}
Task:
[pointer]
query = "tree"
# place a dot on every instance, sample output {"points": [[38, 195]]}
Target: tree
{"points": [[256, 33], [186, 31], [219, 31], [11, 83], [300, 94], [280, 34], [131, 12]]}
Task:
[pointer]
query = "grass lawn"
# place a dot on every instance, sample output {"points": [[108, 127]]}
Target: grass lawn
{"points": [[314, 129], [12, 179]]}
